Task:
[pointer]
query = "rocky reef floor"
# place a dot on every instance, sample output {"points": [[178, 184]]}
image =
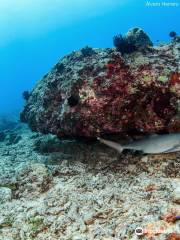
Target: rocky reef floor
{"points": [[52, 189]]}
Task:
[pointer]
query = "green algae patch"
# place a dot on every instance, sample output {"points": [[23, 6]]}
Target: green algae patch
{"points": [[163, 79], [36, 226], [147, 78]]}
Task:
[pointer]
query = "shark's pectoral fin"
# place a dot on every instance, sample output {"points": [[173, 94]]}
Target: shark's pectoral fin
{"points": [[111, 144], [175, 148]]}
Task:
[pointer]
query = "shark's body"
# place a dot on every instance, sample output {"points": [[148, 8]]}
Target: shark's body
{"points": [[155, 144]]}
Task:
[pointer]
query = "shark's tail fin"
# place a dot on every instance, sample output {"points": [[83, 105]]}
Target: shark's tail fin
{"points": [[111, 144]]}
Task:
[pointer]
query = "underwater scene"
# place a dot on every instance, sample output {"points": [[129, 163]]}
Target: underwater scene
{"points": [[89, 120]]}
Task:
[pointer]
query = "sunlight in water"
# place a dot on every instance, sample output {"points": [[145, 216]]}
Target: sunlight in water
{"points": [[31, 17]]}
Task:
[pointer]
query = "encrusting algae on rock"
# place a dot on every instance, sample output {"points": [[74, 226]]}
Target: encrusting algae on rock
{"points": [[105, 92]]}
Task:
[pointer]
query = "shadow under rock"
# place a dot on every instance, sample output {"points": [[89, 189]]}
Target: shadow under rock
{"points": [[94, 155]]}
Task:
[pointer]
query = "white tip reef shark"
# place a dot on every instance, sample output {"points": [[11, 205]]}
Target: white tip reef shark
{"points": [[153, 144]]}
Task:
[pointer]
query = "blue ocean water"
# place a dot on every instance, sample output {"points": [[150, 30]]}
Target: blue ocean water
{"points": [[35, 34]]}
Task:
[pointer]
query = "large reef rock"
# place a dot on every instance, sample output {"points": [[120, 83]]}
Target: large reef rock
{"points": [[94, 92]]}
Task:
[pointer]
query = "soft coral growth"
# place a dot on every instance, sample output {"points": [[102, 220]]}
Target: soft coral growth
{"points": [[122, 45]]}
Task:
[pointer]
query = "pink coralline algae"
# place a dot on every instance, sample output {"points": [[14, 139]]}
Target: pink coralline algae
{"points": [[175, 78], [107, 93]]}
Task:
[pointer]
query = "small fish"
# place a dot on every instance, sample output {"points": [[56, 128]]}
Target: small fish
{"points": [[153, 144]]}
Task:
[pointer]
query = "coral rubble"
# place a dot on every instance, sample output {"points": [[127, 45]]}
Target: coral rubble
{"points": [[54, 189]]}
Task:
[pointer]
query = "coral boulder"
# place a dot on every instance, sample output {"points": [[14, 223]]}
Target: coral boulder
{"points": [[94, 92], [138, 38]]}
